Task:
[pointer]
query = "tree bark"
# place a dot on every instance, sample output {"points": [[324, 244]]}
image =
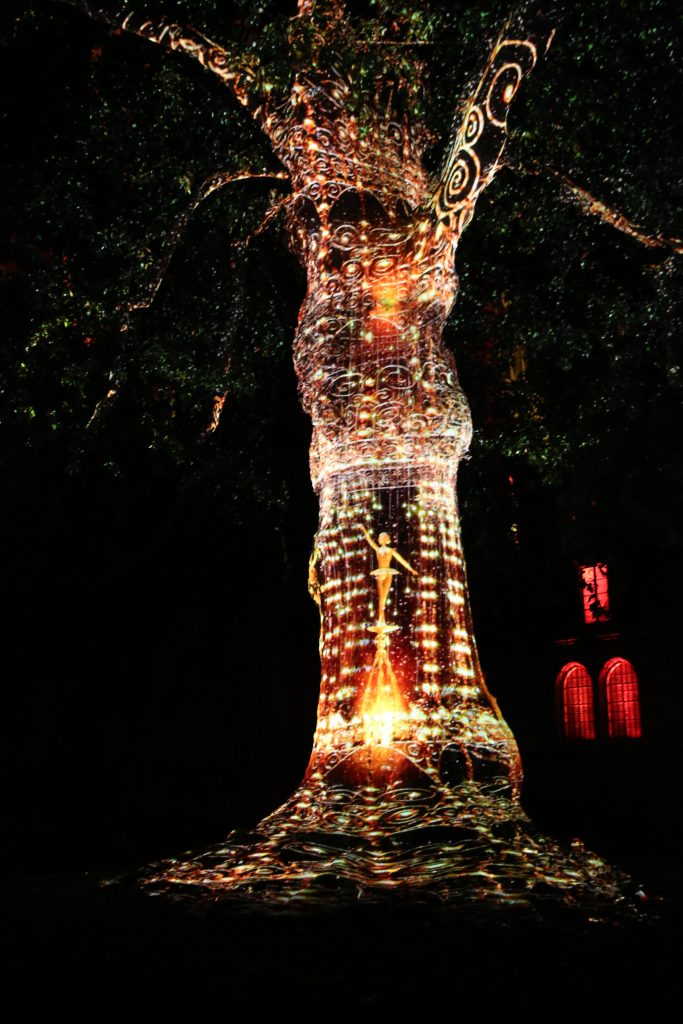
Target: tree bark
{"points": [[237, 71], [402, 691]]}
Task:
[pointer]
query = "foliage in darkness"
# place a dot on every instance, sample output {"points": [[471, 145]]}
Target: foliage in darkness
{"points": [[124, 134]]}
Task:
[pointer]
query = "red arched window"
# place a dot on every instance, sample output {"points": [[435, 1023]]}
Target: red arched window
{"points": [[574, 690], [619, 693]]}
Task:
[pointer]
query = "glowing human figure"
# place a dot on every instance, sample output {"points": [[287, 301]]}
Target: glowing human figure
{"points": [[384, 571]]}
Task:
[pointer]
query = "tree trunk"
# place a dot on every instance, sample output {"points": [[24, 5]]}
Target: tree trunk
{"points": [[402, 692], [414, 776]]}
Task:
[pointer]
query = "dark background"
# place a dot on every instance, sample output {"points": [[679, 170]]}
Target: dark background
{"points": [[160, 648]]}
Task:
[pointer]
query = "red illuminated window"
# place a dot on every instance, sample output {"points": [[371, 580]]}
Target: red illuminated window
{"points": [[574, 690], [595, 593], [619, 692]]}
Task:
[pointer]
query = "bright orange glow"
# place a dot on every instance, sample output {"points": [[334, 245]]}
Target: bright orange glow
{"points": [[382, 707], [388, 294]]}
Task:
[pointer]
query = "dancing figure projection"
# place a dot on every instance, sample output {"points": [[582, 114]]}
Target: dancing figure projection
{"points": [[414, 776], [383, 708], [384, 571]]}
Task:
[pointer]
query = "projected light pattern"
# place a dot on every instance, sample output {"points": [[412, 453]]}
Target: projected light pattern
{"points": [[413, 775], [337, 843], [440, 708]]}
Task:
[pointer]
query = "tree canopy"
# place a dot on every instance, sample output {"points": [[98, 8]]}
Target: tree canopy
{"points": [[129, 132], [121, 136], [565, 332]]}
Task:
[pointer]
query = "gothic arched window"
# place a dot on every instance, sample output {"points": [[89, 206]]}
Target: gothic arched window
{"points": [[574, 691], [620, 699]]}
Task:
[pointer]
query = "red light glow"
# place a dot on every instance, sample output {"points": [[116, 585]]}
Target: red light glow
{"points": [[595, 593], [619, 692], [575, 702]]}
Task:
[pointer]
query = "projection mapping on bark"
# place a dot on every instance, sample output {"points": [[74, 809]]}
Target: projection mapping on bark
{"points": [[413, 782]]}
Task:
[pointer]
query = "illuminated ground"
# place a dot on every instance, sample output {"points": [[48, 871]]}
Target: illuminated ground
{"points": [[474, 911], [469, 849]]}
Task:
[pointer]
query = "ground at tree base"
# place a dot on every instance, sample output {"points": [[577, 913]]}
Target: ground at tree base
{"points": [[388, 900], [469, 849], [481, 914]]}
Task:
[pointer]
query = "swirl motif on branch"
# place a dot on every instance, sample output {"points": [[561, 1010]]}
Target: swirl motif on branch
{"points": [[475, 155]]}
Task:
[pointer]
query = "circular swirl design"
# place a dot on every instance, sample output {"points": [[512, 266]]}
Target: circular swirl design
{"points": [[345, 236], [395, 377], [395, 134], [382, 266], [341, 384], [438, 375], [505, 83], [217, 58], [463, 178], [474, 125]]}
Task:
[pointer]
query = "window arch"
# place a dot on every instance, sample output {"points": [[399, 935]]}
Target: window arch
{"points": [[620, 699], [574, 691]]}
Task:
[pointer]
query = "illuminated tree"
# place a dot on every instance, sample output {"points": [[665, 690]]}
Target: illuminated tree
{"points": [[414, 772]]}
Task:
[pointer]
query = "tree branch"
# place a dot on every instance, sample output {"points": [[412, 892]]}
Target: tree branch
{"points": [[596, 208], [268, 216], [475, 151], [161, 265], [217, 409], [332, 9], [106, 400], [235, 70]]}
